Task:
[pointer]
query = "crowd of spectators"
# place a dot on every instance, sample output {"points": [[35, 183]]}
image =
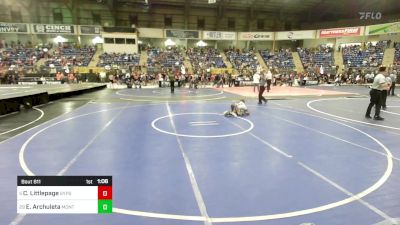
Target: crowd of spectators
{"points": [[120, 59], [242, 59], [397, 54], [360, 61], [281, 59], [23, 56], [68, 56], [205, 58], [316, 57], [163, 58], [366, 55]]}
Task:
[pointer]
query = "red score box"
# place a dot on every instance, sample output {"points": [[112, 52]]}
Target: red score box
{"points": [[104, 192]]}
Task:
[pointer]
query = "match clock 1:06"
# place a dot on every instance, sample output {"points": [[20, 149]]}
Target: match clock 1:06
{"points": [[102, 181]]}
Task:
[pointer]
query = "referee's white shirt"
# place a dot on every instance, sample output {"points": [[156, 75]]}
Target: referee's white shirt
{"points": [[256, 78], [269, 75], [379, 83]]}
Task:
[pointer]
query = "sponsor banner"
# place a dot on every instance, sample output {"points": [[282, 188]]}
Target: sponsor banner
{"points": [[90, 30], [13, 28], [53, 29], [27, 82], [221, 70], [87, 69], [183, 34], [386, 28], [219, 35], [256, 36], [340, 32], [295, 35], [53, 82]]}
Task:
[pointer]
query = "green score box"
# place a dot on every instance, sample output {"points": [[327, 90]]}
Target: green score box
{"points": [[104, 206]]}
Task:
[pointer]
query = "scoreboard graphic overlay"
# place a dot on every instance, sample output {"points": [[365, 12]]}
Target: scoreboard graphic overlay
{"points": [[64, 194]]}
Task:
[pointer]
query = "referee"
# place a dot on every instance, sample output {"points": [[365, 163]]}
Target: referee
{"points": [[171, 77], [261, 90], [378, 86]]}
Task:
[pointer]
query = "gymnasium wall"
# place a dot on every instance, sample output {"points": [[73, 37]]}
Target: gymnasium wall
{"points": [[311, 43], [112, 13]]}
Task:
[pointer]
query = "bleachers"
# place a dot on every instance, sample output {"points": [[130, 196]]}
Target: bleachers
{"points": [[356, 56], [321, 56], [169, 57], [70, 56], [397, 54], [281, 59], [21, 56], [242, 59], [118, 59], [204, 58]]}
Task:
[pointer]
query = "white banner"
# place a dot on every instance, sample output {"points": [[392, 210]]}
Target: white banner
{"points": [[219, 35], [256, 36], [53, 29], [295, 35]]}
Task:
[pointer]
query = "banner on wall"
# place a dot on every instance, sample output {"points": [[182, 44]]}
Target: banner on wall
{"points": [[88, 69], [295, 35], [90, 30], [219, 35], [256, 36], [340, 32], [183, 34], [386, 28], [13, 28], [53, 29], [221, 70]]}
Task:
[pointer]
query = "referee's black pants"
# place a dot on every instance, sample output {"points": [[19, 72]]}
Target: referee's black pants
{"points": [[269, 85], [392, 87], [260, 95], [384, 97], [376, 99], [172, 84]]}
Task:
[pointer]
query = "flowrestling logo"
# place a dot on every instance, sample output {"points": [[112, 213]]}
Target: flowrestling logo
{"points": [[340, 32], [370, 15]]}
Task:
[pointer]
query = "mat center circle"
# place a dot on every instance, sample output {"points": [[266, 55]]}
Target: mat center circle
{"points": [[202, 125]]}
